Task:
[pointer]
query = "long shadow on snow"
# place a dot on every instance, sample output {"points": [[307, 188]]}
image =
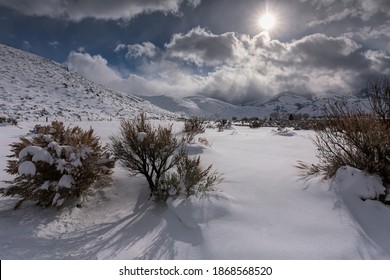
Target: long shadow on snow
{"points": [[150, 231]]}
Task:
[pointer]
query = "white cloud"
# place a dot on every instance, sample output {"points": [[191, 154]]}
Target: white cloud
{"points": [[194, 3], [27, 45], [99, 9], [54, 44], [94, 68], [146, 49]]}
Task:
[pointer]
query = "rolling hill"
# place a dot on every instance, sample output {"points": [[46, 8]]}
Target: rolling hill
{"points": [[35, 88]]}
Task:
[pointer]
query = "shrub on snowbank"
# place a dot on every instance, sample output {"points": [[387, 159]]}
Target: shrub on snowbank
{"points": [[8, 121], [57, 164], [162, 158], [354, 138]]}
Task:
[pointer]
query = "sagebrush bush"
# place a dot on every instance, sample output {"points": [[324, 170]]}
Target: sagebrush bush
{"points": [[194, 125], [8, 120], [256, 124], [193, 178], [57, 164], [160, 156], [350, 136], [354, 140]]}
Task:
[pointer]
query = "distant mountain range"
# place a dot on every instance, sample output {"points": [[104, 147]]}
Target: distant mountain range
{"points": [[284, 103], [35, 88]]}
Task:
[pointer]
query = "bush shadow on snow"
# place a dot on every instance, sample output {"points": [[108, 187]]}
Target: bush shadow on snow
{"points": [[150, 231]]}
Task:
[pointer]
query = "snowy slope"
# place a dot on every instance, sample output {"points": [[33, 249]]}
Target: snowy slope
{"points": [[33, 88], [204, 107], [295, 103], [284, 103]]}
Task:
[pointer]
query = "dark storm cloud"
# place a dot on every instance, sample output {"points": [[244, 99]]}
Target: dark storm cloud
{"points": [[204, 48], [100, 9], [320, 51]]}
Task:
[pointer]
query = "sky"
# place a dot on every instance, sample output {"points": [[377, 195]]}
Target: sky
{"points": [[215, 48]]}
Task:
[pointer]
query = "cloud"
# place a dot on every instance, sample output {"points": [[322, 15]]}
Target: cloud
{"points": [[54, 44], [98, 9], [158, 78], [239, 68], [27, 45], [321, 51], [335, 11], [194, 3], [94, 68], [201, 47], [146, 49], [372, 7]]}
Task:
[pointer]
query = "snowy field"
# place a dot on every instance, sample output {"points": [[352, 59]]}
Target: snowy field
{"points": [[260, 211]]}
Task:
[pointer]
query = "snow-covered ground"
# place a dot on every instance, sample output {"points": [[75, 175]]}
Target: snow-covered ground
{"points": [[260, 211]]}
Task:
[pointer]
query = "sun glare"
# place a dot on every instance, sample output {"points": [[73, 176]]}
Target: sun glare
{"points": [[267, 21]]}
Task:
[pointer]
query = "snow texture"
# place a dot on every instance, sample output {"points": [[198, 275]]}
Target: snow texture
{"points": [[27, 168], [66, 181], [37, 153]]}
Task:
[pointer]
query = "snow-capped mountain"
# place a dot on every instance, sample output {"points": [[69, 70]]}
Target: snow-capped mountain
{"points": [[202, 106], [313, 105], [35, 88], [284, 103]]}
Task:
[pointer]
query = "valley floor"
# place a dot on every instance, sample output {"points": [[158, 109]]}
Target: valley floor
{"points": [[262, 210]]}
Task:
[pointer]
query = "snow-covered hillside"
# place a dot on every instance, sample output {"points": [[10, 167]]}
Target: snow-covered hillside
{"points": [[313, 105], [202, 106], [33, 88], [284, 103]]}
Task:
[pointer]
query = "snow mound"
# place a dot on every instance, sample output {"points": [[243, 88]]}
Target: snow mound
{"points": [[283, 132], [356, 185], [193, 211], [358, 192]]}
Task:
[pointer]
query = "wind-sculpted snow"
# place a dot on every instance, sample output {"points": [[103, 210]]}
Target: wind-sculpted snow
{"points": [[33, 88]]}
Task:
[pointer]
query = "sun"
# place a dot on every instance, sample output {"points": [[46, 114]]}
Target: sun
{"points": [[267, 21]]}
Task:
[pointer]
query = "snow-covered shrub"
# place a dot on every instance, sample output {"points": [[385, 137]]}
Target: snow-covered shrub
{"points": [[193, 179], [282, 131], [194, 125], [161, 157], [8, 121], [57, 164], [256, 124], [145, 150], [351, 138], [223, 124], [204, 141]]}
